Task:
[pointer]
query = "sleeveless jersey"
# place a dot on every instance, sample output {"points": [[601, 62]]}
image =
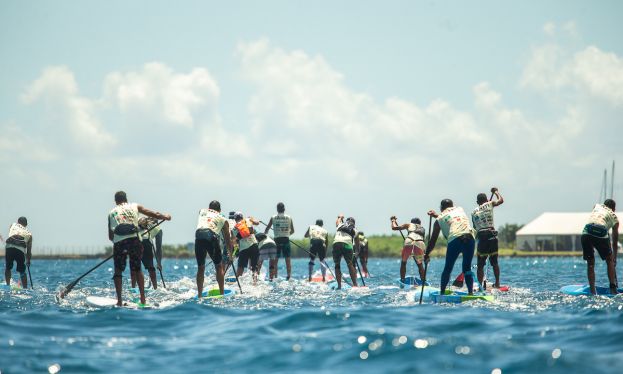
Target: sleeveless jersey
{"points": [[482, 217], [317, 232], [454, 223], [123, 216], [343, 237], [281, 225], [246, 242], [211, 220], [19, 236], [267, 242], [415, 233], [602, 216]]}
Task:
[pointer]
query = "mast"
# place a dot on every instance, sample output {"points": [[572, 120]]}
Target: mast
{"points": [[612, 181]]}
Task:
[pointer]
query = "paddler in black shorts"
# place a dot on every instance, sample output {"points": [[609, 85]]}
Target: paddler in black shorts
{"points": [[344, 243], [487, 236], [318, 242], [123, 231], [152, 247], [18, 249], [595, 236]]}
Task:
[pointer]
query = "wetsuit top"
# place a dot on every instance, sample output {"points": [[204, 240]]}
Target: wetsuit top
{"points": [[454, 223], [19, 236], [123, 221], [211, 220], [239, 230], [415, 233], [316, 232], [482, 217], [602, 216], [345, 235], [281, 225]]}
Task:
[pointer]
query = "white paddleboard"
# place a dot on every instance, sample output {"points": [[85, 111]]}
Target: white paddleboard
{"points": [[108, 302]]}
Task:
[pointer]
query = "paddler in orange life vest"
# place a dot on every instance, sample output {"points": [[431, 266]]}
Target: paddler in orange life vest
{"points": [[248, 251], [595, 236], [211, 227], [283, 228], [344, 244], [454, 224], [413, 245], [18, 249], [318, 242], [482, 219], [123, 231]]}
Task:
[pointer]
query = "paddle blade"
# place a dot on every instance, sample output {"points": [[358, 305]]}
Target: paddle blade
{"points": [[458, 282]]}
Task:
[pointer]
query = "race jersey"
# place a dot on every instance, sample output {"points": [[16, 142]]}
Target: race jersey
{"points": [[317, 232], [344, 237], [454, 223], [415, 233], [281, 225], [145, 224], [19, 236], [244, 243], [211, 220], [123, 221], [482, 217], [602, 216]]}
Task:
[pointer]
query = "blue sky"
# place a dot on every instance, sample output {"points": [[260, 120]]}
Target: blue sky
{"points": [[363, 108]]}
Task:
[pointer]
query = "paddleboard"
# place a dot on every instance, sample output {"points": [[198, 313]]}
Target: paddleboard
{"points": [[108, 302], [345, 286], [215, 293], [135, 291], [12, 287], [584, 290], [410, 282], [317, 277], [425, 295], [457, 297], [230, 279]]}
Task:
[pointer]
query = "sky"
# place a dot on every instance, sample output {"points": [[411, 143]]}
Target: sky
{"points": [[362, 108]]}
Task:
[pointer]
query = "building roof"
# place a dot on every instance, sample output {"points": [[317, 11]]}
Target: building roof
{"points": [[550, 223]]}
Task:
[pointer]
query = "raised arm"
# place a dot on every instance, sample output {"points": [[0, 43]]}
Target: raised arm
{"points": [[306, 233], [433, 238], [499, 199], [270, 224], [339, 220], [153, 213], [254, 221], [396, 226]]}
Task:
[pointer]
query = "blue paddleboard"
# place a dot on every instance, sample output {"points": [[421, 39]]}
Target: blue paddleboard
{"points": [[457, 297], [215, 293], [584, 290], [411, 282]]}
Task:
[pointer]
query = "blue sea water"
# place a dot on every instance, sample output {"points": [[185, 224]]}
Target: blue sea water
{"points": [[299, 327]]}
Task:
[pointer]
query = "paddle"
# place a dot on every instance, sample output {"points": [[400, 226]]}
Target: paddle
{"points": [[323, 263], [359, 270], [430, 221], [484, 282], [71, 285], [30, 276], [231, 262]]}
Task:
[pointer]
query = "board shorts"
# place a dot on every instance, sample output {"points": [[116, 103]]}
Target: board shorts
{"points": [[590, 242], [148, 255], [250, 254], [342, 250], [487, 243], [416, 250], [207, 242], [268, 252], [283, 247], [317, 248], [131, 247], [15, 255], [363, 252]]}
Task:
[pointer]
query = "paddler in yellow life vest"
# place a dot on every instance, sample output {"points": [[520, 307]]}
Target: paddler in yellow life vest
{"points": [[123, 231], [364, 251], [18, 249], [248, 251], [595, 236], [414, 245], [482, 219], [318, 242], [211, 227], [344, 243], [149, 237], [454, 224], [283, 228]]}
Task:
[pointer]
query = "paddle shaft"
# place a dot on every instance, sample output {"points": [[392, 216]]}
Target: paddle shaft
{"points": [[484, 281], [430, 222], [71, 285], [231, 262], [30, 277], [359, 270], [305, 250]]}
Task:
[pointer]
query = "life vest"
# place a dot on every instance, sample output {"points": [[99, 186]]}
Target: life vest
{"points": [[123, 221], [601, 220], [243, 229], [454, 223], [415, 233], [482, 217], [211, 220], [317, 232], [281, 225], [345, 234], [19, 236]]}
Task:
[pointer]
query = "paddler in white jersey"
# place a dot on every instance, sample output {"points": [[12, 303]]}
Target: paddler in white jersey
{"points": [[595, 236], [123, 231], [413, 245], [248, 251], [454, 224], [482, 219], [18, 249], [318, 242], [152, 247], [283, 227], [211, 227], [344, 244]]}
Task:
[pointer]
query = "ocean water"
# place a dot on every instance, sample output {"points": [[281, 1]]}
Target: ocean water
{"points": [[298, 327]]}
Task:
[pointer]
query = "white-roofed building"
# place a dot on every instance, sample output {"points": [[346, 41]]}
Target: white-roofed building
{"points": [[554, 232]]}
